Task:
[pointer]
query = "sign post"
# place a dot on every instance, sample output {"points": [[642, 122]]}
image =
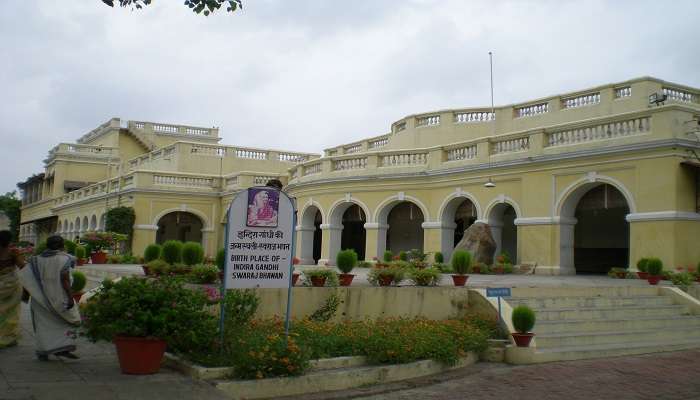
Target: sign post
{"points": [[259, 247], [498, 292]]}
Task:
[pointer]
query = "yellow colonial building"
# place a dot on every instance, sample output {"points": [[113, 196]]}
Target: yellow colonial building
{"points": [[574, 183]]}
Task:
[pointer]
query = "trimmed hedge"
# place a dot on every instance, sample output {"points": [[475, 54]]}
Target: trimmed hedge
{"points": [[192, 253], [172, 252], [346, 260], [152, 252]]}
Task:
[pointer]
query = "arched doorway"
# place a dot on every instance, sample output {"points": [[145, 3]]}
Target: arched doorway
{"points": [[179, 225], [505, 233], [354, 235], [601, 233], [93, 223], [458, 215], [405, 230], [310, 235]]}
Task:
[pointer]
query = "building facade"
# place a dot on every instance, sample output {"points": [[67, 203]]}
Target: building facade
{"points": [[578, 183]]}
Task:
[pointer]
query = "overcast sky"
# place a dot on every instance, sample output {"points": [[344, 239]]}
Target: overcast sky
{"points": [[306, 75]]}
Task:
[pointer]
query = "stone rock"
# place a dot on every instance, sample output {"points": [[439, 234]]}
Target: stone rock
{"points": [[479, 242]]}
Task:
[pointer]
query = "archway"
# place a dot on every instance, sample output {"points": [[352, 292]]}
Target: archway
{"points": [[103, 221], [78, 230], [85, 226], [502, 223], [339, 218], [93, 223], [354, 234], [458, 214], [595, 229], [310, 235], [405, 232], [179, 225]]}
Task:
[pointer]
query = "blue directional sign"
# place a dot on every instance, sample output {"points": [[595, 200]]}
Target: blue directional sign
{"points": [[498, 292]]}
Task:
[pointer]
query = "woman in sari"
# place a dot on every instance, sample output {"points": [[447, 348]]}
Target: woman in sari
{"points": [[54, 313], [10, 293]]}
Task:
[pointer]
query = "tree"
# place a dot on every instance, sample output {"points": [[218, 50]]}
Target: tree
{"points": [[205, 7], [10, 204], [121, 220]]}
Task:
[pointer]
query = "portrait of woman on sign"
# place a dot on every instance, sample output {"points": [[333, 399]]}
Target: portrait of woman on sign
{"points": [[263, 205]]}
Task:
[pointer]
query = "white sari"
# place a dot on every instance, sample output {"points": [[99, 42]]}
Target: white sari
{"points": [[51, 320]]}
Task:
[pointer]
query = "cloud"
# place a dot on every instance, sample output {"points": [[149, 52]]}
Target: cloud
{"points": [[307, 75]]}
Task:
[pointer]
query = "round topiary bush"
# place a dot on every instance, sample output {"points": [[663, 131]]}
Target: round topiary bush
{"points": [[192, 253], [439, 257], [221, 259], [70, 247], [80, 252], [523, 319], [461, 261], [642, 264], [388, 256], [152, 252], [172, 252], [403, 256], [346, 260], [654, 266], [79, 282]]}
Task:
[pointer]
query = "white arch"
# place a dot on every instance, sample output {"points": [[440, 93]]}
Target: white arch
{"points": [[103, 222], [458, 194], [501, 199], [77, 229], [93, 222], [206, 224], [382, 211], [86, 224], [302, 221], [493, 216], [446, 214], [574, 192], [335, 215], [306, 230]]}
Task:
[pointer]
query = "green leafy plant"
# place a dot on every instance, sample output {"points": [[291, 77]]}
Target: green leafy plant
{"points": [[403, 256], [192, 253], [40, 248], [444, 268], [121, 220], [180, 269], [617, 273], [70, 247], [461, 261], [642, 264], [438, 257], [221, 259], [346, 260], [79, 282], [327, 273], [172, 251], [683, 280], [240, 307], [204, 274], [102, 240], [328, 310], [364, 264], [523, 319], [152, 252], [158, 267], [388, 256], [80, 252], [654, 266], [396, 271], [114, 259], [425, 276]]}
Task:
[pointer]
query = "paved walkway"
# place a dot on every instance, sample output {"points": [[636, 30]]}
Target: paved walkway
{"points": [[95, 375]]}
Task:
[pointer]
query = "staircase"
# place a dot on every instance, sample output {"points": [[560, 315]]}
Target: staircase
{"points": [[579, 323]]}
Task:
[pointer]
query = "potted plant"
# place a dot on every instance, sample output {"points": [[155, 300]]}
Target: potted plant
{"points": [[438, 258], [346, 261], [152, 252], [479, 268], [78, 284], [523, 319], [318, 276], [642, 268], [425, 276], [386, 275], [461, 261], [98, 242], [654, 267], [143, 316], [619, 273], [80, 255]]}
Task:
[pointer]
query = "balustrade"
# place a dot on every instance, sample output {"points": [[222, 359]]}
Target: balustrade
{"points": [[474, 116], [350, 163], [197, 131], [261, 180], [623, 92], [680, 95], [461, 153], [511, 145], [532, 110], [378, 143], [312, 169], [353, 149], [599, 132], [252, 154], [292, 157], [429, 120], [581, 101], [164, 128], [186, 181], [400, 126], [404, 159], [231, 182]]}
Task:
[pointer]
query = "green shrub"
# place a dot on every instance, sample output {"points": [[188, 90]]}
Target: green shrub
{"points": [[80, 252], [438, 257], [79, 282], [192, 253], [461, 261], [114, 259], [682, 279], [152, 252], [158, 267], [654, 266], [388, 256], [523, 319], [129, 258], [425, 277], [329, 274], [364, 264], [396, 270], [403, 256], [180, 269], [221, 259], [172, 252], [346, 260], [239, 306], [70, 247], [39, 248], [642, 264], [416, 255], [444, 268], [204, 274], [328, 310]]}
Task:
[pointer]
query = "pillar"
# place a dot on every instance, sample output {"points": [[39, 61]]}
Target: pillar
{"points": [[332, 236], [375, 240]]}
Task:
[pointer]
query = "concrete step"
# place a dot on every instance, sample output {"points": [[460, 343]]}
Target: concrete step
{"points": [[611, 350], [556, 340], [608, 313], [564, 291], [617, 325], [589, 302]]}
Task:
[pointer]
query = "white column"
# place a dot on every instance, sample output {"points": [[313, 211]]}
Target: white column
{"points": [[305, 244], [335, 234], [566, 246]]}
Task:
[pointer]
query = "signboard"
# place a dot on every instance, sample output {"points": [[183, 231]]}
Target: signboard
{"points": [[497, 292], [259, 239]]}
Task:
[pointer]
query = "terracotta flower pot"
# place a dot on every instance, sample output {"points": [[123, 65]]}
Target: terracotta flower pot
{"points": [[642, 275], [499, 270], [522, 339], [621, 275], [345, 279], [77, 296], [654, 279], [460, 280], [139, 356], [295, 278], [80, 262], [476, 270], [98, 257], [318, 281], [385, 280]]}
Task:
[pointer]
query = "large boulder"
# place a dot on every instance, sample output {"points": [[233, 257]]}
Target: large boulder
{"points": [[479, 242]]}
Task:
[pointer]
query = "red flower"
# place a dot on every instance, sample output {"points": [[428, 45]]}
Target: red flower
{"points": [[296, 260]]}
